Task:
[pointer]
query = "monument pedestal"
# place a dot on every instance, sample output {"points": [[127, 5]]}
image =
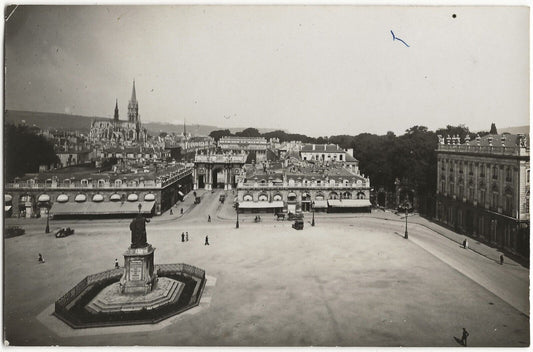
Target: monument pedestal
{"points": [[139, 276]]}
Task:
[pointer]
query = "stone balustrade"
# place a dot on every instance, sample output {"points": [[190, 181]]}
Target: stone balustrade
{"points": [[462, 148]]}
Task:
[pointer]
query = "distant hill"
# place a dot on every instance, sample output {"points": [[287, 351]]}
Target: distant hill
{"points": [[515, 130], [51, 120]]}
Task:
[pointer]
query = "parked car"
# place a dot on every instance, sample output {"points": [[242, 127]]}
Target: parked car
{"points": [[64, 232], [14, 231], [298, 225]]}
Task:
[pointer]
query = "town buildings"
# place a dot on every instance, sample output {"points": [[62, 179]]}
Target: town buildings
{"points": [[483, 189], [308, 184]]}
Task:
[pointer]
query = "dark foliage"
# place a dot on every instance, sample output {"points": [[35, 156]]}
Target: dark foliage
{"points": [[249, 132], [216, 135], [25, 151]]}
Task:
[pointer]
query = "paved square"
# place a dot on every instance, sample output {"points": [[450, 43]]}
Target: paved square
{"points": [[342, 283]]}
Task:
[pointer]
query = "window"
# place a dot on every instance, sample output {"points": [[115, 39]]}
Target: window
{"points": [[443, 186], [452, 190], [84, 182], [470, 169], [482, 197], [471, 194], [461, 191], [461, 168], [118, 183], [482, 170], [495, 200], [527, 176], [495, 172], [340, 157], [526, 206], [508, 174]]}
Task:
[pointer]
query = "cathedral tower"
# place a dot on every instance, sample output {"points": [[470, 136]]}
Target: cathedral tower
{"points": [[133, 107]]}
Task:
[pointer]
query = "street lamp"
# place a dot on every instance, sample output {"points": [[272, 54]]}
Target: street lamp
{"points": [[47, 229], [406, 206], [237, 209], [313, 221], [140, 206]]}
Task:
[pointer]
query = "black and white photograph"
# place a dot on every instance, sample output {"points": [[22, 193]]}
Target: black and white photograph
{"points": [[266, 175]]}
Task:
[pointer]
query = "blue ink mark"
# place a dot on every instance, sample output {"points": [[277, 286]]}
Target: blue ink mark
{"points": [[396, 38]]}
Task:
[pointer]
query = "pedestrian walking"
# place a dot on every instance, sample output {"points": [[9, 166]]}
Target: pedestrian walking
{"points": [[465, 336], [182, 210], [116, 264], [187, 236], [41, 260], [171, 213], [464, 243], [206, 241], [501, 259], [208, 218], [182, 237]]}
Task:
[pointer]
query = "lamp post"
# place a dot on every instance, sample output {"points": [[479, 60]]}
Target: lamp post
{"points": [[47, 229], [406, 205], [313, 221], [237, 209], [140, 206]]}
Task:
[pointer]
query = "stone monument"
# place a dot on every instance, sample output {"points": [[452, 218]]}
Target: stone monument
{"points": [[139, 276]]}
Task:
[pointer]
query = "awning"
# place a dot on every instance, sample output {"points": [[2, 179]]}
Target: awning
{"points": [[43, 198], [62, 198], [149, 197], [80, 198], [261, 205], [180, 193], [114, 197], [132, 197], [349, 203], [91, 208], [7, 207], [321, 204], [98, 198], [8, 198]]}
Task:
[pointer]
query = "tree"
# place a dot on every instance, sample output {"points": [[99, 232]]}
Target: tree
{"points": [[249, 132], [216, 135], [493, 129], [163, 134], [25, 151]]}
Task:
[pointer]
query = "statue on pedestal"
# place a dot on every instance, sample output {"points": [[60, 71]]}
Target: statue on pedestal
{"points": [[138, 231]]}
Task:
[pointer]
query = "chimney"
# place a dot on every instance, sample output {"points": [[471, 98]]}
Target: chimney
{"points": [[448, 139], [467, 139]]}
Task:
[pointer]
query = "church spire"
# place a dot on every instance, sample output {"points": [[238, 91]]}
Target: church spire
{"points": [[133, 107], [184, 128], [133, 95], [115, 117]]}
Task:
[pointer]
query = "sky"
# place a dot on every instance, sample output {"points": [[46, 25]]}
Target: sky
{"points": [[315, 70]]}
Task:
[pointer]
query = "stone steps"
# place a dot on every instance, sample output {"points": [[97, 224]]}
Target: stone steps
{"points": [[110, 300]]}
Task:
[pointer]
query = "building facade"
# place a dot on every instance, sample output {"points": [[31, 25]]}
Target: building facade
{"points": [[302, 187], [483, 189], [258, 145], [117, 130], [93, 194]]}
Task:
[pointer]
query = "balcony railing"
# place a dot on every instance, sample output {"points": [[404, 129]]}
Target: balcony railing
{"points": [[511, 151]]}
